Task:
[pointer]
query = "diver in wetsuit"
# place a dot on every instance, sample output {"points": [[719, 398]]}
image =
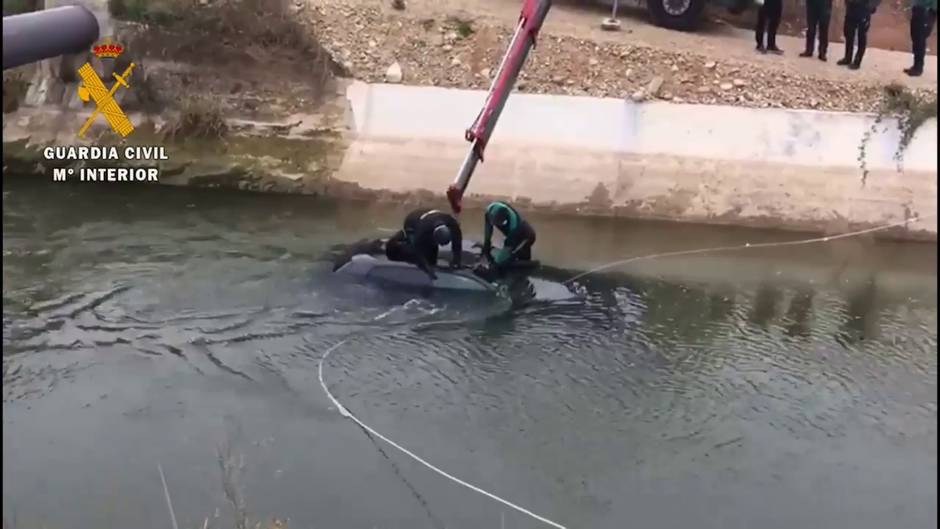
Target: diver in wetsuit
{"points": [[340, 254], [518, 236], [417, 243]]}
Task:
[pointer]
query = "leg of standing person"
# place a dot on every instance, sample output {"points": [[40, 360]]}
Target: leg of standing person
{"points": [[917, 20], [812, 21], [863, 26], [928, 30], [773, 23], [848, 34], [824, 16], [922, 21], [761, 26]]}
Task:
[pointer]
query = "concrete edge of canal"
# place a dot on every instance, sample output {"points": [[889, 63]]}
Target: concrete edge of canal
{"points": [[774, 168], [768, 168]]}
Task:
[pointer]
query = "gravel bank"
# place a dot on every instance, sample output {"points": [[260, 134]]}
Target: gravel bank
{"points": [[464, 53]]}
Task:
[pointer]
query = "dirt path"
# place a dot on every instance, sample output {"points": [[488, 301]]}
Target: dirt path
{"points": [[717, 41], [458, 43]]}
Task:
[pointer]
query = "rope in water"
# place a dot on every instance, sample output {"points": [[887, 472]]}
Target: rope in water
{"points": [[346, 413], [749, 245]]}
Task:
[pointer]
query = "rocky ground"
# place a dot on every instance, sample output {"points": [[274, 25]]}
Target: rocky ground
{"points": [[378, 43]]}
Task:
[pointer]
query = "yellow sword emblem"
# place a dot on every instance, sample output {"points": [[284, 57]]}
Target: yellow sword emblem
{"points": [[104, 99]]}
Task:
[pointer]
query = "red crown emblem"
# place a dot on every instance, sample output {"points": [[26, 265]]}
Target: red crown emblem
{"points": [[108, 49]]}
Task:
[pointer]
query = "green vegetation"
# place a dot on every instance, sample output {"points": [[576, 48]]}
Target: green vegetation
{"points": [[463, 27], [909, 109]]}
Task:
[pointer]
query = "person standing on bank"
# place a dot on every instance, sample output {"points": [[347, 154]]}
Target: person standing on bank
{"points": [[817, 18], [857, 21], [923, 17], [768, 20]]}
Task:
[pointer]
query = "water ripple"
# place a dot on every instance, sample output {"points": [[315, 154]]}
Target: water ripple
{"points": [[636, 381]]}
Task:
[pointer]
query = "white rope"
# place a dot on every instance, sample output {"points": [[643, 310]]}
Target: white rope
{"points": [[166, 494], [749, 245], [345, 413]]}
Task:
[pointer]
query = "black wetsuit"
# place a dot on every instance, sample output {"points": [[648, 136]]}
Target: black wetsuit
{"points": [[857, 21], [340, 254], [415, 242]]}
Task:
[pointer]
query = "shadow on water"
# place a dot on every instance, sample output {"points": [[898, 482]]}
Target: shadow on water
{"points": [[861, 314], [141, 326], [800, 312]]}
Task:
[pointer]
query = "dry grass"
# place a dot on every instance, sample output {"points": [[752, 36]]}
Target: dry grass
{"points": [[232, 469], [234, 38], [199, 118], [231, 466], [14, 90], [263, 24], [16, 7]]}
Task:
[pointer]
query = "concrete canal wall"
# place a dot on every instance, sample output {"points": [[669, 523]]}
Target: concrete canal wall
{"points": [[790, 169]]}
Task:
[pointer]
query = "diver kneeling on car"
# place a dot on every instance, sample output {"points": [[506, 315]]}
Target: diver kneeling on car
{"points": [[518, 237], [424, 231]]}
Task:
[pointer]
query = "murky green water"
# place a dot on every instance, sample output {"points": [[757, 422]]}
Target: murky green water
{"points": [[146, 326]]}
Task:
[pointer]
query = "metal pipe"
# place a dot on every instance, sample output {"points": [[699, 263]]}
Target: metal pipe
{"points": [[32, 37], [527, 29], [479, 141]]}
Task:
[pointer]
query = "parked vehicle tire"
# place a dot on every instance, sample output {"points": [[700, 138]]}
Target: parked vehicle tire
{"points": [[740, 6], [682, 15]]}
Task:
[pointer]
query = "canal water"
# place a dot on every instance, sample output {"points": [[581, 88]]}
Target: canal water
{"points": [[181, 329]]}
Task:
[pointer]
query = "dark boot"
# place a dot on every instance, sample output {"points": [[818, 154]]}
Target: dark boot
{"points": [[914, 71], [807, 53], [849, 51], [857, 63]]}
